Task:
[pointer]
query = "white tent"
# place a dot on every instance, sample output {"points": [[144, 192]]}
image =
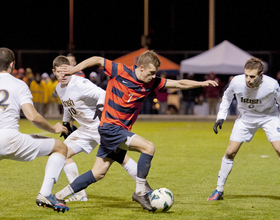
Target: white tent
{"points": [[225, 58]]}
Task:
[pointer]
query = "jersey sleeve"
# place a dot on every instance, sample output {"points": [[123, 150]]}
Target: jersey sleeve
{"points": [[111, 68], [226, 101], [25, 95], [277, 92]]}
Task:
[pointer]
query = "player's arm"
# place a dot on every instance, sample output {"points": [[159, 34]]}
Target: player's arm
{"points": [[188, 84], [92, 61], [39, 121]]}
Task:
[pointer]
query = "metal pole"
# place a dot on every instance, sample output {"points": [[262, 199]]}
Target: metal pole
{"points": [[71, 45], [146, 24], [211, 23]]}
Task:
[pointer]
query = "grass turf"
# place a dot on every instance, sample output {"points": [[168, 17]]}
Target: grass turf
{"points": [[187, 160]]}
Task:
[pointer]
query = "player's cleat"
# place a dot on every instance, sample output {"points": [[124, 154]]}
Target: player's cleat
{"points": [[49, 201], [216, 195], [77, 197], [143, 200]]}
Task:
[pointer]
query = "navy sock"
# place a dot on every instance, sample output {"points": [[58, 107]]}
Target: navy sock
{"points": [[83, 181], [143, 166]]}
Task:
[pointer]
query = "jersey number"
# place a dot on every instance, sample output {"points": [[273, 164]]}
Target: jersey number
{"points": [[130, 97], [5, 96], [72, 111]]}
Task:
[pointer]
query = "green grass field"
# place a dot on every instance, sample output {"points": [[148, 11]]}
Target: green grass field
{"points": [[187, 160]]}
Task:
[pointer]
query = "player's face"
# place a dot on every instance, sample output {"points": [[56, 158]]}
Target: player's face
{"points": [[253, 79], [148, 73], [64, 80]]}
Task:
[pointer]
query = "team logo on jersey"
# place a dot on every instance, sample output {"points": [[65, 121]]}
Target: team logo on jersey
{"points": [[68, 103], [251, 101], [278, 129]]}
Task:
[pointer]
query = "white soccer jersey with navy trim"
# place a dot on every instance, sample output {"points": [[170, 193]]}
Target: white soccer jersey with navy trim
{"points": [[253, 103], [13, 94], [79, 99]]}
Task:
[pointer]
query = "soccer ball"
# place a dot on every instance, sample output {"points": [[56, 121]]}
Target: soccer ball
{"points": [[161, 199]]}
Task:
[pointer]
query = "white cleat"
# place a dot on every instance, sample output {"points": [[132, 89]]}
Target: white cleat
{"points": [[77, 197]]}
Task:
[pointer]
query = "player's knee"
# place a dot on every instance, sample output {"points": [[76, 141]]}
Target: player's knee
{"points": [[60, 147], [150, 148], [230, 154]]}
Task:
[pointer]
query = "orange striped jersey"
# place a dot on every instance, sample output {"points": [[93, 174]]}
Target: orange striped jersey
{"points": [[125, 94]]}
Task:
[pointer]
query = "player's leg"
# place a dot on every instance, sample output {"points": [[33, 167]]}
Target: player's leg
{"points": [[128, 164], [147, 150], [53, 169], [226, 167], [100, 168], [71, 171]]}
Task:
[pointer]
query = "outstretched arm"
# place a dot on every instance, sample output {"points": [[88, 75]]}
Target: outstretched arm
{"points": [[39, 121], [92, 61], [189, 84]]}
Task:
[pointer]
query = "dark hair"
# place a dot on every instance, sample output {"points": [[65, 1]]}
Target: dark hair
{"points": [[7, 56], [60, 60], [254, 63]]}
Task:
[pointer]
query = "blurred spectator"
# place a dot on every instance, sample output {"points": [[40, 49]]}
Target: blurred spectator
{"points": [[53, 108], [45, 77], [15, 73], [213, 94], [21, 75], [190, 96], [93, 78], [39, 92], [73, 62], [162, 98], [29, 76]]}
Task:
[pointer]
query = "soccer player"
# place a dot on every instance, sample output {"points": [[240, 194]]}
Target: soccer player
{"points": [[83, 101], [14, 145], [257, 97], [125, 93]]}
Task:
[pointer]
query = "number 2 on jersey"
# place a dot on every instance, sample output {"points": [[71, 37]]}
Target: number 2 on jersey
{"points": [[5, 96]]}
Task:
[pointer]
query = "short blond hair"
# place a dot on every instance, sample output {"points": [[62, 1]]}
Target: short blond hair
{"points": [[149, 57]]}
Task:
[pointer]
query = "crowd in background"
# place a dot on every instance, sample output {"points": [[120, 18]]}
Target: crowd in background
{"points": [[48, 104]]}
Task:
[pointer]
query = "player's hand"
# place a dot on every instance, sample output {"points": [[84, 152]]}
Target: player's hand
{"points": [[212, 83], [69, 130], [218, 123], [66, 70], [58, 128], [98, 111]]}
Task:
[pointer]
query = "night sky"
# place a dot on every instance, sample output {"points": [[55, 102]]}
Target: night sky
{"points": [[118, 25]]}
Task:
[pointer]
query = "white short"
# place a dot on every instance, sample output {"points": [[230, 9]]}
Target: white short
{"points": [[83, 139], [23, 147], [244, 131]]}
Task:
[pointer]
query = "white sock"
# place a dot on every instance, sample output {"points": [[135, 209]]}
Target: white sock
{"points": [[131, 169], [226, 167], [64, 192], [53, 169], [71, 171], [140, 186]]}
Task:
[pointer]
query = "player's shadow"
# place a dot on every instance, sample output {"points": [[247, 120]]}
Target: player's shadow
{"points": [[252, 196]]}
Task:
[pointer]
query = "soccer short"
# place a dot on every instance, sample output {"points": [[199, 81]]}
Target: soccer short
{"points": [[83, 139], [23, 147], [113, 138], [244, 131]]}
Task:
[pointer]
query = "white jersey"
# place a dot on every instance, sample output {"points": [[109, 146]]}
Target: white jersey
{"points": [[254, 104], [79, 99], [13, 94]]}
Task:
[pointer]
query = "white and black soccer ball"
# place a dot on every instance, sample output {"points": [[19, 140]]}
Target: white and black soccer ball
{"points": [[161, 199]]}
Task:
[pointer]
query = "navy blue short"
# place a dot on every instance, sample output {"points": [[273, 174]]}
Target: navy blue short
{"points": [[111, 136]]}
